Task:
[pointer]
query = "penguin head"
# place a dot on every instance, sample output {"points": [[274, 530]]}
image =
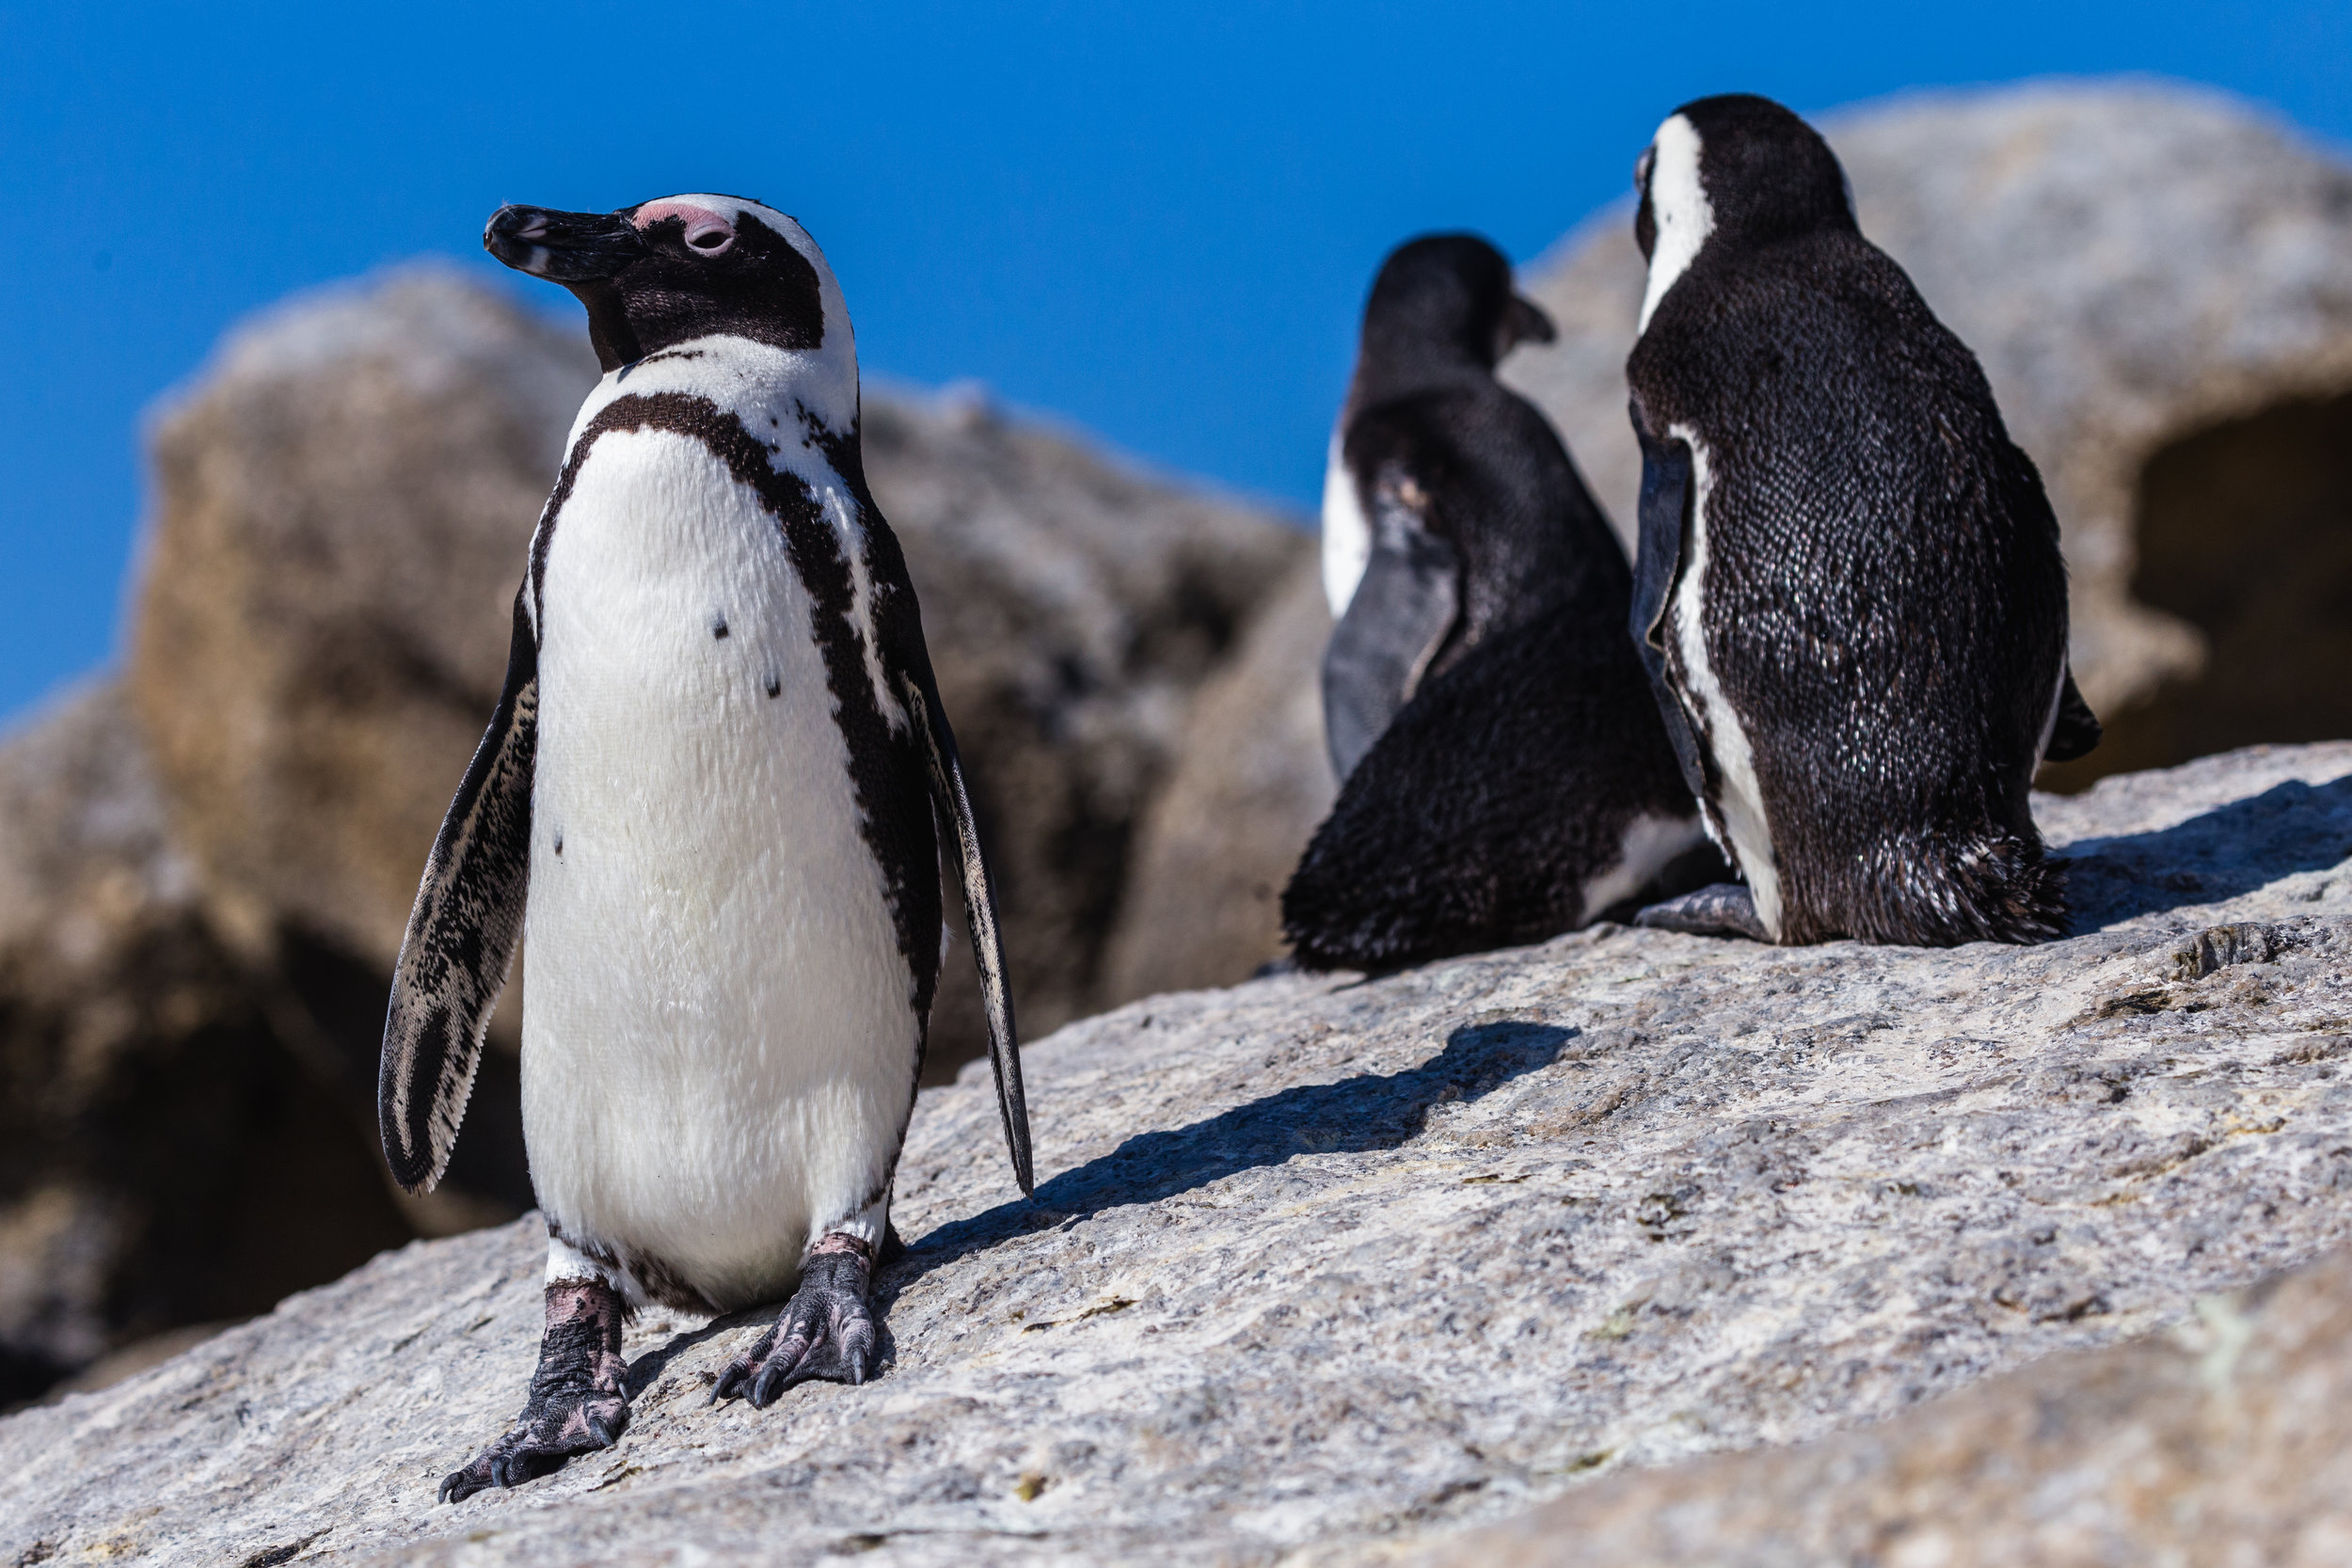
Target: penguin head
{"points": [[1732, 173], [1444, 302], [681, 268]]}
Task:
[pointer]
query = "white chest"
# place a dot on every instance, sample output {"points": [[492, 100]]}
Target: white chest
{"points": [[719, 1041]]}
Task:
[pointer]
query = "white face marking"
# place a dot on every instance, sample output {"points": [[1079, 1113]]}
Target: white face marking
{"points": [[1346, 537], [1650, 844], [1741, 804], [1678, 206]]}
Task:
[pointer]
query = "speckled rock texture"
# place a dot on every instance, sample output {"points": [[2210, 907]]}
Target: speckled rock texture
{"points": [[2227, 1440], [1322, 1268], [2135, 263]]}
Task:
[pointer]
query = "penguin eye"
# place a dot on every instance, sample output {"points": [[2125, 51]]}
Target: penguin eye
{"points": [[1642, 166], [710, 239]]}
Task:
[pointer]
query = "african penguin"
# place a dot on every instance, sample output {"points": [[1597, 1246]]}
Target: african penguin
{"points": [[1505, 775], [713, 796], [1848, 594]]}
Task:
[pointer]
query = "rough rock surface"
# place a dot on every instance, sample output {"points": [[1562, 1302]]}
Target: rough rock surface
{"points": [[2138, 266], [1321, 1264], [2227, 1440], [1249, 784]]}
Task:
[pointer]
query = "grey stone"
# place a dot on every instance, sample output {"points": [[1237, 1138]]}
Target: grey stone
{"points": [[1248, 785], [2227, 1440], [1319, 1267], [2158, 281]]}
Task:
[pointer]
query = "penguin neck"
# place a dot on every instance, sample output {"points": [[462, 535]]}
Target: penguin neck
{"points": [[1385, 371], [767, 388]]}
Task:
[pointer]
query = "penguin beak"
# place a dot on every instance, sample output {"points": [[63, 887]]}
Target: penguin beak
{"points": [[1523, 322], [561, 247]]}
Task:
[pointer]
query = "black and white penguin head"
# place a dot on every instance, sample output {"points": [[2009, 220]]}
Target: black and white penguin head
{"points": [[669, 271], [1733, 171], [1443, 303]]}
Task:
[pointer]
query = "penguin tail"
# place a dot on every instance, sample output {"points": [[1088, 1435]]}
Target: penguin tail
{"points": [[1936, 889]]}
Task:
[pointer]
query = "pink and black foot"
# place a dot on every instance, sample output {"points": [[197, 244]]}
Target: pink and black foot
{"points": [[1718, 910], [579, 1398], [825, 1331]]}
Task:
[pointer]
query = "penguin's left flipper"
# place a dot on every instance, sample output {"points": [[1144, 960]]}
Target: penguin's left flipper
{"points": [[1404, 609], [579, 1397], [2073, 729], [920, 692], [462, 932], [1718, 910], [825, 1331]]}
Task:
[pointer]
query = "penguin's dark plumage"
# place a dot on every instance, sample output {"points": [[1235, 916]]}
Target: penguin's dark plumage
{"points": [[1505, 774], [1850, 594], [714, 795]]}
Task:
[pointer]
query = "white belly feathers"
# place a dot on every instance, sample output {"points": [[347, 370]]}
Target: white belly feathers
{"points": [[1741, 801], [719, 1045]]}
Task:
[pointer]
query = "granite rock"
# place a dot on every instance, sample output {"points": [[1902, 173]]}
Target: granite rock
{"points": [[1321, 1267], [1250, 782], [2225, 1439]]}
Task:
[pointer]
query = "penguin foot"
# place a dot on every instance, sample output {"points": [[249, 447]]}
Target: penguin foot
{"points": [[1718, 910], [577, 1400], [825, 1331]]}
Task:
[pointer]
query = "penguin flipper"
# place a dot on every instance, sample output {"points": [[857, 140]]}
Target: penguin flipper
{"points": [[954, 803], [462, 934], [2073, 729], [1404, 609], [1664, 511]]}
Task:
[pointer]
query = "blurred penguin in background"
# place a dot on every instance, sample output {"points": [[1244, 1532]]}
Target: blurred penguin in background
{"points": [[1850, 592], [1505, 775]]}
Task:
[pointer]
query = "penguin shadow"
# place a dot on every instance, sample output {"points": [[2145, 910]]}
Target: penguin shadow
{"points": [[2229, 850], [1355, 1116]]}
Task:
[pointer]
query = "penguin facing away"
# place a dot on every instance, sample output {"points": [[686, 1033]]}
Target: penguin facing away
{"points": [[1848, 594], [712, 794], [1505, 776]]}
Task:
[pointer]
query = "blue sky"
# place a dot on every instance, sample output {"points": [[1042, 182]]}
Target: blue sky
{"points": [[1155, 223]]}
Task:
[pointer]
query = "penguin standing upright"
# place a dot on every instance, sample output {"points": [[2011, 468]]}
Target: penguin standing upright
{"points": [[1850, 592], [713, 796], [1505, 776]]}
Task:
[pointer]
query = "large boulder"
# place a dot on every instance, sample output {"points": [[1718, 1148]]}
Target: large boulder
{"points": [[1320, 1266], [2158, 281], [1248, 785], [167, 1154]]}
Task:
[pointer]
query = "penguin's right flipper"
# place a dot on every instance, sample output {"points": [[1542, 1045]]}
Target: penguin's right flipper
{"points": [[1403, 611], [1665, 514], [920, 690], [1718, 910], [2073, 729], [462, 933]]}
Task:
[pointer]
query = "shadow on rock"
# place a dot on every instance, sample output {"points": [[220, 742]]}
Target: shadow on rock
{"points": [[2231, 850], [1355, 1116]]}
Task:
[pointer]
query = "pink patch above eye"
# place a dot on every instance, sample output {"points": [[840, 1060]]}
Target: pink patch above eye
{"points": [[705, 230]]}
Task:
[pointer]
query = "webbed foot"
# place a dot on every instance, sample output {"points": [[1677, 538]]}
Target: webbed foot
{"points": [[1718, 910], [825, 1331], [577, 1400]]}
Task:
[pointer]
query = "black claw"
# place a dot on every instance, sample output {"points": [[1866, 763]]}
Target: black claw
{"points": [[825, 1331], [1721, 909]]}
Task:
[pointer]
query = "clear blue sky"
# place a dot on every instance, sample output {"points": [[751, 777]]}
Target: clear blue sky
{"points": [[1156, 224]]}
